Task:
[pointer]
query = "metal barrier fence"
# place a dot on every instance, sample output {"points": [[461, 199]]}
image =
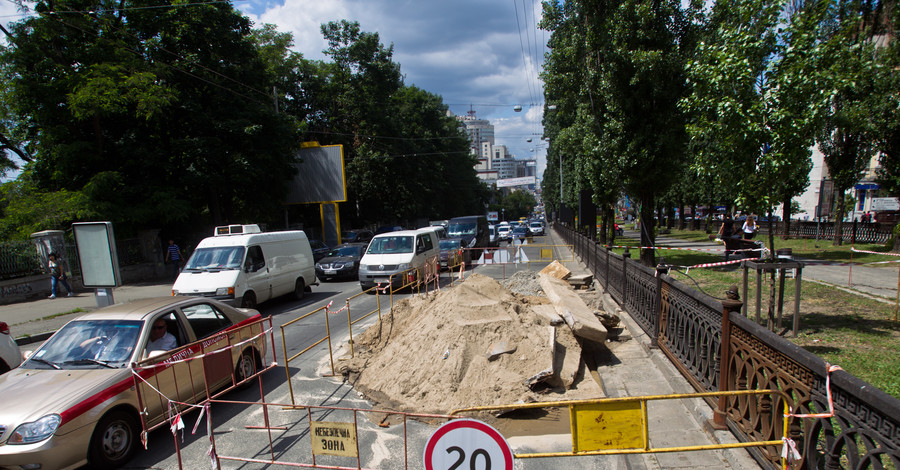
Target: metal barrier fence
{"points": [[211, 367], [615, 426], [687, 326]]}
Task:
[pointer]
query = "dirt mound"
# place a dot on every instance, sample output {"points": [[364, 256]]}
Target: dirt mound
{"points": [[431, 354]]}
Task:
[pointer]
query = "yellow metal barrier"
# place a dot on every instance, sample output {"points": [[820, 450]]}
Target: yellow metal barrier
{"points": [[620, 425]]}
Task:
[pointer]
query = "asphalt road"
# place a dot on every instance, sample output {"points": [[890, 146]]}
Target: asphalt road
{"points": [[239, 428]]}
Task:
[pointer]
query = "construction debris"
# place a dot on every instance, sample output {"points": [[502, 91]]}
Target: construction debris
{"points": [[496, 346], [569, 305], [557, 270]]}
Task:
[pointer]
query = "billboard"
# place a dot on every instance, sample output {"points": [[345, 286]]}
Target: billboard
{"points": [[525, 181], [96, 247], [320, 175]]}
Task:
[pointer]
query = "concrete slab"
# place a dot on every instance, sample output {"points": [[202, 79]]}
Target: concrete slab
{"points": [[572, 308], [557, 270]]}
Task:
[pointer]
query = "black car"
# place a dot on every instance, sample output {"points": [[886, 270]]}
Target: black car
{"points": [[341, 262], [319, 249], [357, 236]]}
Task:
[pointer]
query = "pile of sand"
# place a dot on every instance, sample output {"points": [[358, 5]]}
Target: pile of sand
{"points": [[430, 355]]}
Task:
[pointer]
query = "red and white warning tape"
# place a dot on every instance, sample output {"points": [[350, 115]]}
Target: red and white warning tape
{"points": [[789, 451], [722, 263]]}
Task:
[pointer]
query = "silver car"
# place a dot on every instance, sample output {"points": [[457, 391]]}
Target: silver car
{"points": [[77, 400]]}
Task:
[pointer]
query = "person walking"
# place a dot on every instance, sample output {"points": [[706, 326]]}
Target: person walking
{"points": [[749, 228], [57, 275], [173, 257]]}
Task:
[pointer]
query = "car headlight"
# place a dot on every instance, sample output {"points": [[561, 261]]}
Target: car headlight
{"points": [[349, 264], [35, 431], [319, 266], [225, 291], [403, 266]]}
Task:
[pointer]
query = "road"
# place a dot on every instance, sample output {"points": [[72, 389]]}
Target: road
{"points": [[313, 384]]}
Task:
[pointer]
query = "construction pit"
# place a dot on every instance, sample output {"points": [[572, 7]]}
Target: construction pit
{"points": [[531, 338]]}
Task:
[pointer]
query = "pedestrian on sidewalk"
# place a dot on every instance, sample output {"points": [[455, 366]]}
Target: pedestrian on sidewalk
{"points": [[173, 257], [57, 275]]}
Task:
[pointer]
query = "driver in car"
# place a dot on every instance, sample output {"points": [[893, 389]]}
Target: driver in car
{"points": [[160, 338]]}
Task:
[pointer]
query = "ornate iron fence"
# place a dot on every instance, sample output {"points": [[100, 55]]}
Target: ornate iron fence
{"points": [[687, 325]]}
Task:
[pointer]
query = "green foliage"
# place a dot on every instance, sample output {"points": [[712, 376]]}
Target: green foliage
{"points": [[615, 71], [518, 204], [26, 209]]}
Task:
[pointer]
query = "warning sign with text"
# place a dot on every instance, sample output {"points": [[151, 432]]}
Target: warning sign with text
{"points": [[333, 438]]}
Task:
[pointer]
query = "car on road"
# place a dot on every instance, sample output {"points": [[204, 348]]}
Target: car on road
{"points": [[536, 227], [453, 253], [319, 249], [341, 262], [519, 232], [357, 236], [503, 231], [10, 356], [77, 400]]}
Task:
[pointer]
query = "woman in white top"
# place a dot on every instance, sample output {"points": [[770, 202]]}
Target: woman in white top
{"points": [[749, 228]]}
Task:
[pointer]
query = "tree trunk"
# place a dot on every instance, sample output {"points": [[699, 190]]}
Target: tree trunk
{"points": [[839, 218], [786, 219], [648, 257]]}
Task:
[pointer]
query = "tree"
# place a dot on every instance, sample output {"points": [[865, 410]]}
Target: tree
{"points": [[157, 116], [621, 120], [847, 67], [405, 157]]}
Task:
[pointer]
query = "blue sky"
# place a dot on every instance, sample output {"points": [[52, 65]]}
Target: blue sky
{"points": [[485, 54]]}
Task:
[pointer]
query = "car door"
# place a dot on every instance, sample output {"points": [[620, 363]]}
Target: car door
{"points": [[167, 375], [257, 271], [208, 324]]}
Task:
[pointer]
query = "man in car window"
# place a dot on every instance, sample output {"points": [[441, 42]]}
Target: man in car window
{"points": [[160, 338]]}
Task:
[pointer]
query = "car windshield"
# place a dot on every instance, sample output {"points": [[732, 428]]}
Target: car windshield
{"points": [[393, 244], [345, 251], [461, 229], [220, 257], [89, 344], [519, 230], [449, 244]]}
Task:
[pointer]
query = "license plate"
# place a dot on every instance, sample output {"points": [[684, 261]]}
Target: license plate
{"points": [[330, 271]]}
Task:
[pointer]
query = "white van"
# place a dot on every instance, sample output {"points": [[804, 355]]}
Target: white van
{"points": [[242, 266], [395, 252]]}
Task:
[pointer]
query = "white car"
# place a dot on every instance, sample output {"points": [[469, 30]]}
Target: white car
{"points": [[503, 232], [536, 228], [10, 356]]}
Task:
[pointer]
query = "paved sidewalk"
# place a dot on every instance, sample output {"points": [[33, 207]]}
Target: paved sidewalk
{"points": [[632, 370], [879, 280], [54, 313]]}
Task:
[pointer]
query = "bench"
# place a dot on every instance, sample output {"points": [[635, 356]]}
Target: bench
{"points": [[744, 248]]}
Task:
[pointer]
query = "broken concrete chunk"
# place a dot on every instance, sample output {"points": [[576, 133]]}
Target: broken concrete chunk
{"points": [[557, 270], [571, 307], [581, 280], [547, 311], [497, 349]]}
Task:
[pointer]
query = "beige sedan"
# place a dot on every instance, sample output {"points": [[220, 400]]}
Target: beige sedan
{"points": [[77, 399]]}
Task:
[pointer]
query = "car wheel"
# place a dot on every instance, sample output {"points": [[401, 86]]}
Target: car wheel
{"points": [[299, 289], [249, 300], [246, 367], [114, 440]]}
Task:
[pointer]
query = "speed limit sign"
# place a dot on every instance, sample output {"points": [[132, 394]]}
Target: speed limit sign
{"points": [[467, 444]]}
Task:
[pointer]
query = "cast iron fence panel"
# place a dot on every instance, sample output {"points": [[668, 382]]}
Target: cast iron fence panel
{"points": [[864, 434], [689, 333], [640, 295]]}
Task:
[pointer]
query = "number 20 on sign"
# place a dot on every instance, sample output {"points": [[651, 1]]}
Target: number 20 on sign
{"points": [[467, 444]]}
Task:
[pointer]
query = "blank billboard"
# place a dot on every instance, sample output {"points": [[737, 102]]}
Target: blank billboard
{"points": [[320, 176]]}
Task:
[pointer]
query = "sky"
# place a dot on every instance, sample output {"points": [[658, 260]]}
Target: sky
{"points": [[481, 55]]}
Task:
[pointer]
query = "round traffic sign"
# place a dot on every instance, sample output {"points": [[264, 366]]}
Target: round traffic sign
{"points": [[467, 444]]}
